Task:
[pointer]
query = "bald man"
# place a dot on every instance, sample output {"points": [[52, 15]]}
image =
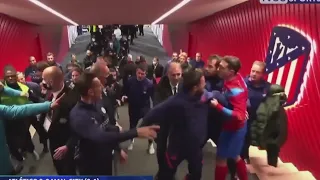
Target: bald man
{"points": [[32, 68], [169, 85], [56, 123]]}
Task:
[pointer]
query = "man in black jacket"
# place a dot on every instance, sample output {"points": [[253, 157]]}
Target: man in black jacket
{"points": [[169, 85], [155, 70], [56, 122]]}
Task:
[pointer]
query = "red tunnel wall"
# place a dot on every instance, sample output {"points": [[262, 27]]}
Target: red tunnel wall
{"points": [[244, 31], [19, 40]]}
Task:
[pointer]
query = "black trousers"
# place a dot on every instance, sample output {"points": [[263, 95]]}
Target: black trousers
{"points": [[20, 141], [134, 120], [173, 161], [65, 166], [273, 151], [96, 168], [141, 31], [40, 130]]}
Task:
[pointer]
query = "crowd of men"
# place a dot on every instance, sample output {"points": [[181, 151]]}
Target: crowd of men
{"points": [[192, 101]]}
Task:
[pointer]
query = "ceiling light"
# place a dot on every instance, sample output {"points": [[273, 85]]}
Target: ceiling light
{"points": [[47, 8], [174, 9]]}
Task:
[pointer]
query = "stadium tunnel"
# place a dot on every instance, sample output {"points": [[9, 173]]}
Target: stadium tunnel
{"points": [[243, 28]]}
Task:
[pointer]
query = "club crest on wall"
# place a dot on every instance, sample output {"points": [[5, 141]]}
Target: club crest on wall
{"points": [[286, 60]]}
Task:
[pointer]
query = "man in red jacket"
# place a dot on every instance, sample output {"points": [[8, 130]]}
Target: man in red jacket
{"points": [[234, 129]]}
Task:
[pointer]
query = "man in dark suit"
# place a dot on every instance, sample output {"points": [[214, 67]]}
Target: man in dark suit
{"points": [[155, 70], [169, 85], [56, 123]]}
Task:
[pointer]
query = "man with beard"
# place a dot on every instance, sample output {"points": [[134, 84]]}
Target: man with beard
{"points": [[51, 61], [188, 118], [56, 122], [11, 113], [213, 83], [173, 59], [18, 135], [155, 70], [32, 68]]}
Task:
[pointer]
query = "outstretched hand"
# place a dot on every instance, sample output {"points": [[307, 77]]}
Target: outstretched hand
{"points": [[148, 132], [55, 103]]}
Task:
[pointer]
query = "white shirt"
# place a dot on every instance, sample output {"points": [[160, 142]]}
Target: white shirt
{"points": [[117, 32], [172, 88], [48, 120], [55, 94]]}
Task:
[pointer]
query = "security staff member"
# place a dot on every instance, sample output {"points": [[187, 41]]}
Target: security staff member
{"points": [[87, 121], [138, 90], [56, 122]]}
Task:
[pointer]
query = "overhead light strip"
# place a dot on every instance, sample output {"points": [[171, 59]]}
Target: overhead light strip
{"points": [[174, 9], [49, 9]]}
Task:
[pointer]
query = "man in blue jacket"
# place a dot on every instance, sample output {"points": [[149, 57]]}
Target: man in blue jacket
{"points": [[188, 118], [90, 122], [139, 91]]}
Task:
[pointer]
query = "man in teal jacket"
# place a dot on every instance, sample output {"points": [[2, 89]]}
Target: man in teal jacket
{"points": [[14, 112]]}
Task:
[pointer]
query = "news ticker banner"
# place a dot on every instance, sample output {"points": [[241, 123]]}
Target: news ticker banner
{"points": [[289, 1], [76, 178]]}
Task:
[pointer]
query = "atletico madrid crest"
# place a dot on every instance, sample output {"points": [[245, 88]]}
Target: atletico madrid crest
{"points": [[286, 61]]}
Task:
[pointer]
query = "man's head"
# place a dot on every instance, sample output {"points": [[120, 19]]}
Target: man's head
{"points": [[174, 73], [183, 57], [211, 68], [155, 61], [50, 58], [113, 72], [198, 56], [73, 58], [129, 58], [88, 53], [257, 71], [101, 71], [229, 67], [75, 74], [141, 72], [194, 82], [174, 56], [32, 61], [89, 87], [53, 78], [21, 78], [10, 74]]}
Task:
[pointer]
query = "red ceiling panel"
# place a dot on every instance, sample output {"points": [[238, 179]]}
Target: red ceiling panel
{"points": [[244, 31], [19, 40]]}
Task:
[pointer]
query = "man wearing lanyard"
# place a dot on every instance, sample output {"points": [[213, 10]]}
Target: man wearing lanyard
{"points": [[56, 122]]}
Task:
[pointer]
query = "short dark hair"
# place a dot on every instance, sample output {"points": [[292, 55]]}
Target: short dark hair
{"points": [[84, 83], [233, 63], [77, 69], [42, 65], [215, 57], [142, 66], [9, 68], [191, 78]]}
